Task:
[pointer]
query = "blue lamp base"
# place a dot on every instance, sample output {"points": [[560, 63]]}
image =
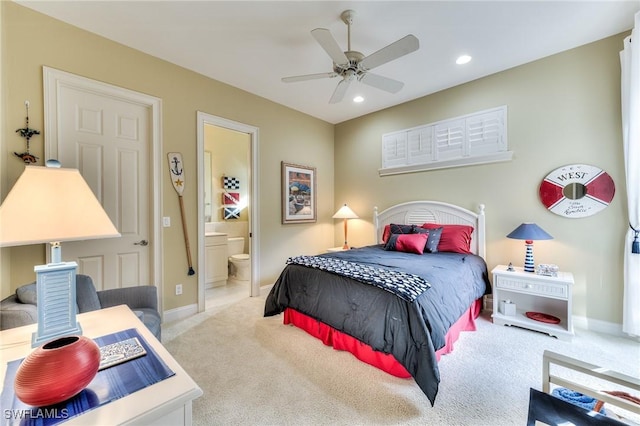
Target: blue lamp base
{"points": [[56, 287], [529, 265]]}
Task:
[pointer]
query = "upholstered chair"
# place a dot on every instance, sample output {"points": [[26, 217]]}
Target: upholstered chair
{"points": [[20, 308]]}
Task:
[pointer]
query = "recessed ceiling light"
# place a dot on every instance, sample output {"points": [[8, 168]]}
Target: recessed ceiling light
{"points": [[463, 59], [358, 99]]}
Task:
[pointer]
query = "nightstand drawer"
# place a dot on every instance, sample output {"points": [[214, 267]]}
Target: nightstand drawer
{"points": [[558, 291]]}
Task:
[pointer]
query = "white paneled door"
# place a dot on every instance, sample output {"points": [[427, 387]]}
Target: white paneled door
{"points": [[108, 139]]}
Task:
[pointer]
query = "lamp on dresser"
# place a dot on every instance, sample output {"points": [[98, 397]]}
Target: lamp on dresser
{"points": [[51, 205], [345, 213], [529, 232]]}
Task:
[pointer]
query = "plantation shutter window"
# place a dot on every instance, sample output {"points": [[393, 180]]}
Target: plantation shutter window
{"points": [[471, 139], [420, 146], [394, 149]]}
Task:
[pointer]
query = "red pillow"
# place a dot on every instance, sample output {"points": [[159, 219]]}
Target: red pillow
{"points": [[454, 238], [408, 243]]}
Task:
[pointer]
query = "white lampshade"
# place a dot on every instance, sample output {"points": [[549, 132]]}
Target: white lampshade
{"points": [[345, 213], [50, 204]]}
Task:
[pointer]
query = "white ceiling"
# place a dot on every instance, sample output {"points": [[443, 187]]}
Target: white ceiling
{"points": [[253, 44]]}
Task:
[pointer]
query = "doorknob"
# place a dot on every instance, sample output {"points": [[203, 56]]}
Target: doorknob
{"points": [[142, 243]]}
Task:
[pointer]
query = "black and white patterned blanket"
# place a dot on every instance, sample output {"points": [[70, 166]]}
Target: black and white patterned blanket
{"points": [[404, 285]]}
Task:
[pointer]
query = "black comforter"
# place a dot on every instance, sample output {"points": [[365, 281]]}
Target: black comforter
{"points": [[410, 331]]}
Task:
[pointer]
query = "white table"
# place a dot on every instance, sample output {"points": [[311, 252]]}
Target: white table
{"points": [[532, 292], [167, 402]]}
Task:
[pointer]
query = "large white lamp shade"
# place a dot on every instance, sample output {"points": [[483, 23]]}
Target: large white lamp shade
{"points": [[51, 205]]}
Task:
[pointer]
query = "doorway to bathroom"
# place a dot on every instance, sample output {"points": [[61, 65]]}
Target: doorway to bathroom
{"points": [[227, 211]]}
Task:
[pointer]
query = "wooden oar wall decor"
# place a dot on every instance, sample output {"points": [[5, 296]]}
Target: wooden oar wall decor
{"points": [[176, 171]]}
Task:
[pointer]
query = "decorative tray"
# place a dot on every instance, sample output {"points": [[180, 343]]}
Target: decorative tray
{"points": [[539, 316]]}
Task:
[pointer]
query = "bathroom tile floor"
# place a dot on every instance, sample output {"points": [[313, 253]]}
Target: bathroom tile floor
{"points": [[234, 291]]}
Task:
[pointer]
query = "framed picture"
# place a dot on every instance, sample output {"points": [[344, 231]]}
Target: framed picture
{"points": [[231, 213], [298, 193]]}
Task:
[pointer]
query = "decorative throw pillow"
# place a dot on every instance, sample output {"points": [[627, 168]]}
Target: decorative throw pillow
{"points": [[386, 233], [86, 294], [454, 238], [401, 229], [395, 229], [433, 239], [27, 294], [408, 243]]}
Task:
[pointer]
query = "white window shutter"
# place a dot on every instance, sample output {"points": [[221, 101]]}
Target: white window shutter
{"points": [[485, 133], [475, 138], [450, 140], [394, 150], [421, 143]]}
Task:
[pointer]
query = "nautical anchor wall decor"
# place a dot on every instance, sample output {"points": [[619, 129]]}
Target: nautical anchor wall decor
{"points": [[27, 133]]}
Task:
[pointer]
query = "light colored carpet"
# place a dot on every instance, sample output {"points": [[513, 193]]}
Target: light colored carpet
{"points": [[256, 371]]}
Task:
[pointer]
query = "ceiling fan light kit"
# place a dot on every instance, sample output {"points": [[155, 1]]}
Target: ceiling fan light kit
{"points": [[352, 65]]}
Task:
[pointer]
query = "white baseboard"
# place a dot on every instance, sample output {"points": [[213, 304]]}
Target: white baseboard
{"points": [[599, 326], [179, 313]]}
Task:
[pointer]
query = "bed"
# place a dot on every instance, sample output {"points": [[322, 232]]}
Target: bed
{"points": [[390, 306]]}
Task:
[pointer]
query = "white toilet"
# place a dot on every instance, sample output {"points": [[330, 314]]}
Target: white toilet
{"points": [[239, 262]]}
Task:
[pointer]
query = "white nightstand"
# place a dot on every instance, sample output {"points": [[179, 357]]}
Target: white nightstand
{"points": [[532, 292]]}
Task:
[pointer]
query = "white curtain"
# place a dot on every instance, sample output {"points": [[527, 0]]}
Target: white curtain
{"points": [[630, 62]]}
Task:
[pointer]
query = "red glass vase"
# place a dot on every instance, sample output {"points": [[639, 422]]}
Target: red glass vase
{"points": [[57, 371]]}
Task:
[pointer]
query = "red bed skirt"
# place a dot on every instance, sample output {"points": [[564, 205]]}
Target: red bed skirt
{"points": [[364, 352]]}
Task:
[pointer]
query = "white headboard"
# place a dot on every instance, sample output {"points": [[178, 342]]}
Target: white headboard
{"points": [[419, 212]]}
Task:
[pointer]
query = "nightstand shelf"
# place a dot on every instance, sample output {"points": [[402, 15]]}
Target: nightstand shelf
{"points": [[521, 320], [533, 292]]}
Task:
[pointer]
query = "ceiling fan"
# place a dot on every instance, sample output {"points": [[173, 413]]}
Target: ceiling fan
{"points": [[352, 65]]}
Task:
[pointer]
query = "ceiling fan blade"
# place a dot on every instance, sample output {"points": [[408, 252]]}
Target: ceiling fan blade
{"points": [[340, 91], [383, 83], [306, 77], [330, 45], [388, 53]]}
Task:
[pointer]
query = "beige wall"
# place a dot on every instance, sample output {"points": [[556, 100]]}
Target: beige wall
{"points": [[561, 110], [31, 40]]}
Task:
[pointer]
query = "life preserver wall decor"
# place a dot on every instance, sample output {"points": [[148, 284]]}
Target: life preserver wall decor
{"points": [[577, 190]]}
